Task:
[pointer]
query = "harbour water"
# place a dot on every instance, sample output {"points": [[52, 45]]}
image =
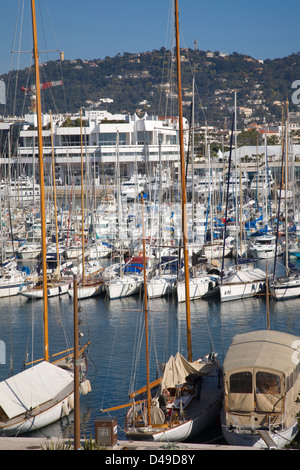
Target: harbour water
{"points": [[117, 351]]}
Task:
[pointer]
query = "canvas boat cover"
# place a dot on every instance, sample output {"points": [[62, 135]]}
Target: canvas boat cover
{"points": [[178, 368], [32, 387], [246, 275], [264, 349]]}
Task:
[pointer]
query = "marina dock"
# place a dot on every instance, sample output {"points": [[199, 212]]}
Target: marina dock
{"points": [[39, 443]]}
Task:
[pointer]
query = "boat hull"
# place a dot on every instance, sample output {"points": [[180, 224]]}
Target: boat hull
{"points": [[181, 432], [161, 286], [288, 289], [40, 420], [252, 438], [240, 291], [53, 291], [201, 412], [123, 287], [199, 287], [8, 290], [85, 292]]}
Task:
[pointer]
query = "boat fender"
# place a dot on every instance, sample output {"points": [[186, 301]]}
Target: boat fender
{"points": [[85, 387], [71, 402], [65, 408]]}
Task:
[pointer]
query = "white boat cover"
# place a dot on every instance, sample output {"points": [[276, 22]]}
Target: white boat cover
{"points": [[262, 349], [32, 387], [246, 275], [178, 368]]}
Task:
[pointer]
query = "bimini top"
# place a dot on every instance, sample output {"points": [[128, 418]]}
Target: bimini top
{"points": [[265, 349]]}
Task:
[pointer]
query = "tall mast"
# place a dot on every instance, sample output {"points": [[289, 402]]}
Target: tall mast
{"points": [[82, 202], [54, 194], [183, 195], [41, 169], [146, 317]]}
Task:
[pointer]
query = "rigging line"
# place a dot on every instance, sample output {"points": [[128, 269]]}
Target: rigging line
{"points": [[193, 72], [137, 349], [52, 27], [17, 74], [169, 32]]}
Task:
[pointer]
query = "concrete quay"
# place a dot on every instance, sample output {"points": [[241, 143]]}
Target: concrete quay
{"points": [[40, 443]]}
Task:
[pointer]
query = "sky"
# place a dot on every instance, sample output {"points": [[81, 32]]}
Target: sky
{"points": [[95, 29]]}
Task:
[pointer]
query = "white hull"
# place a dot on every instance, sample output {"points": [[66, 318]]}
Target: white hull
{"points": [[160, 286], [215, 251], [123, 287], [49, 416], [252, 439], [240, 291], [53, 291], [85, 292], [285, 289], [263, 253], [73, 253], [264, 247], [29, 254], [199, 286], [37, 397], [243, 283], [11, 288]]}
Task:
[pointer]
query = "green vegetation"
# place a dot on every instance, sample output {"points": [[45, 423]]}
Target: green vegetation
{"points": [[146, 82]]}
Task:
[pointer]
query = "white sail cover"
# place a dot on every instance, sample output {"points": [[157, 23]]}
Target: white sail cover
{"points": [[32, 387], [246, 275], [177, 369]]}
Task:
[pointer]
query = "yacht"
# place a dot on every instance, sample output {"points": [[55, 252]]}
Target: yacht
{"points": [[261, 389]]}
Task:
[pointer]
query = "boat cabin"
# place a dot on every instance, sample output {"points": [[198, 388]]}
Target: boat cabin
{"points": [[262, 381]]}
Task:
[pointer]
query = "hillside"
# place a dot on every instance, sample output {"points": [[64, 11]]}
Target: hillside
{"points": [[142, 82]]}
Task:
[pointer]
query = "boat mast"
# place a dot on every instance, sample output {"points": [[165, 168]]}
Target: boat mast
{"points": [[146, 318], [55, 203], [41, 170], [183, 195], [82, 202]]}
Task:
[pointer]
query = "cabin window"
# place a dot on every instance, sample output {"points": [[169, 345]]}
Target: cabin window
{"points": [[267, 383], [241, 382]]}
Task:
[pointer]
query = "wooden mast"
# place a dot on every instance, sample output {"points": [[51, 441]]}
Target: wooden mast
{"points": [[41, 170], [183, 195], [146, 318]]}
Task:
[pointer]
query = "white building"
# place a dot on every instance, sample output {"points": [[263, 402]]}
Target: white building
{"points": [[139, 141]]}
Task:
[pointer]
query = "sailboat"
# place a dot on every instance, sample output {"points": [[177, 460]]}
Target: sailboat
{"points": [[93, 284], [288, 286], [43, 393], [128, 282], [56, 285], [262, 386], [186, 399]]}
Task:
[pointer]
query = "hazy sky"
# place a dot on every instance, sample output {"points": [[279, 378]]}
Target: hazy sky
{"points": [[96, 28]]}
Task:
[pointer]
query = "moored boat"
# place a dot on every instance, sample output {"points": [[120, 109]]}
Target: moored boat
{"points": [[261, 389]]}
